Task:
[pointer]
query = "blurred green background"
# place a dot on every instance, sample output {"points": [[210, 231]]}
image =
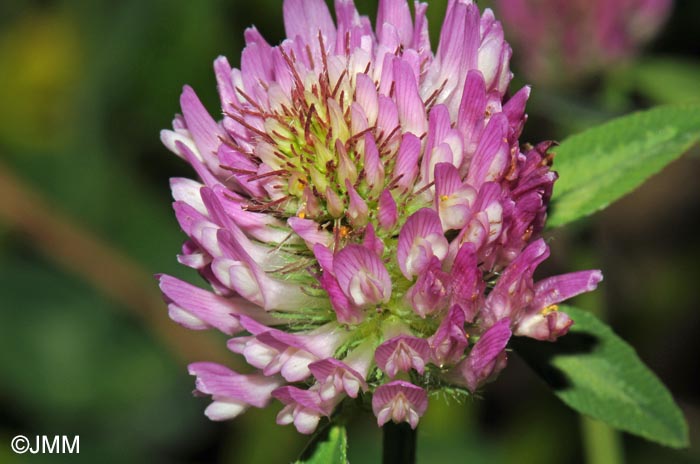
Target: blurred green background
{"points": [[86, 347]]}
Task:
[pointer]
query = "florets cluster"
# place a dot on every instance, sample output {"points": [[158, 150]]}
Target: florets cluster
{"points": [[364, 215]]}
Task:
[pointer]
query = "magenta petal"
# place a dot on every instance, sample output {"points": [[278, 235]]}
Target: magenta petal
{"points": [[397, 13], [450, 340], [222, 70], [362, 276], [470, 118], [447, 179], [492, 154], [372, 242], [459, 38], [220, 381], [308, 399], [358, 212], [306, 18], [408, 101], [366, 96], [407, 161], [388, 212], [431, 291], [205, 131], [421, 37], [303, 407], [198, 309], [401, 354], [548, 324], [399, 401], [514, 290], [514, 110], [310, 231], [420, 239], [453, 198], [335, 376], [345, 310], [467, 284], [387, 116], [373, 169], [484, 356], [324, 257], [556, 289]]}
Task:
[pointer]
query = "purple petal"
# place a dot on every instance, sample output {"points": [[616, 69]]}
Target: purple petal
{"points": [[337, 376], [358, 212], [396, 13], [345, 310], [372, 242], [556, 289], [387, 117], [373, 169], [547, 324], [199, 309], [449, 341], [401, 354], [470, 118], [220, 381], [305, 18], [420, 239], [205, 131], [406, 169], [362, 276], [492, 155], [421, 37], [388, 213], [453, 198], [310, 231], [467, 284], [366, 96], [429, 294], [484, 356], [514, 290], [399, 401], [410, 106], [308, 399]]}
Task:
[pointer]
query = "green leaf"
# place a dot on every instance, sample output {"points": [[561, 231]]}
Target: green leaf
{"points": [[602, 164], [667, 79], [598, 374], [330, 450]]}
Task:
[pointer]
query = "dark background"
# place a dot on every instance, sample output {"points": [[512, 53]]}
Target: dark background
{"points": [[86, 347]]}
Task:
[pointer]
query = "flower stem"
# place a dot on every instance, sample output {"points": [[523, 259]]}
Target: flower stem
{"points": [[399, 444], [601, 443]]}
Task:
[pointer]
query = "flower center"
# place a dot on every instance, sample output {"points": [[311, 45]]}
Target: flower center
{"points": [[326, 156]]}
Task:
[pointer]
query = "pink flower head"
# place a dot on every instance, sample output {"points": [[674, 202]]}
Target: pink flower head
{"points": [[362, 206], [568, 39]]}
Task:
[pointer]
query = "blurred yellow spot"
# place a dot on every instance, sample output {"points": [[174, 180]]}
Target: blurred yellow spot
{"points": [[444, 198], [344, 231], [43, 52], [549, 309]]}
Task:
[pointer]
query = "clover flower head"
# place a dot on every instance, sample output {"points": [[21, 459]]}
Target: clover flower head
{"points": [[365, 216], [560, 40]]}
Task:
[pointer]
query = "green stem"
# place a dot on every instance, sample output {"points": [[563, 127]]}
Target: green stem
{"points": [[601, 443], [399, 444]]}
